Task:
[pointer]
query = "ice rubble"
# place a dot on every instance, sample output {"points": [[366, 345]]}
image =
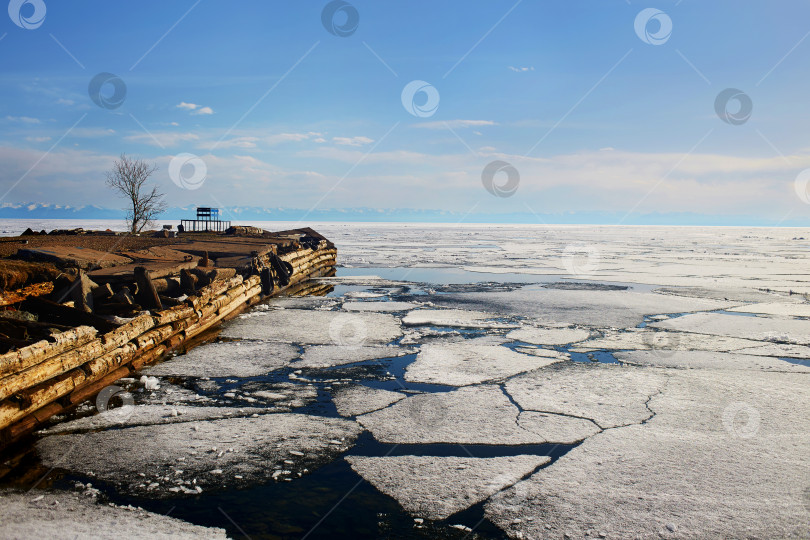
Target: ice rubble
{"points": [[228, 359], [471, 361], [136, 458], [437, 487]]}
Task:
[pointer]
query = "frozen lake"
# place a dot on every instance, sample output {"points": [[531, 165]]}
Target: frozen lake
{"points": [[485, 381]]}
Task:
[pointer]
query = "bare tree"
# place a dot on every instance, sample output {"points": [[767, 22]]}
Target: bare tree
{"points": [[128, 177]]}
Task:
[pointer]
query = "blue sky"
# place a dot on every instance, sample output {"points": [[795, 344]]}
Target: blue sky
{"points": [[285, 114]]}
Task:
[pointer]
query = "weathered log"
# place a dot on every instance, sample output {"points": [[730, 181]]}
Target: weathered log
{"points": [[280, 269], [118, 309], [40, 351], [147, 295]]}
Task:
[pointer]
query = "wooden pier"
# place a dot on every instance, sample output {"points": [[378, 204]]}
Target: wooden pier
{"points": [[109, 313]]}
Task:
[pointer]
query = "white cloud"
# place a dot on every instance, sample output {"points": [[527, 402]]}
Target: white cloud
{"points": [[23, 119], [455, 124], [352, 141], [288, 137], [521, 69], [204, 110], [38, 139], [63, 101], [187, 106]]}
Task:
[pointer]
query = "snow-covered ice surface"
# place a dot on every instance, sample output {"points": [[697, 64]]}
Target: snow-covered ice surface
{"points": [[614, 382]]}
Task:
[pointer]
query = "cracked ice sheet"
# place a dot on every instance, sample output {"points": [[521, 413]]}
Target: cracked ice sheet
{"points": [[457, 318], [666, 342], [323, 356], [246, 447], [554, 307], [793, 331], [316, 327], [68, 515], [356, 400], [549, 336], [379, 306], [470, 415], [707, 360], [726, 456], [471, 361], [610, 395], [229, 359], [438, 487]]}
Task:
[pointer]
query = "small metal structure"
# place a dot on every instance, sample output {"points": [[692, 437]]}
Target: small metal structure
{"points": [[207, 221]]}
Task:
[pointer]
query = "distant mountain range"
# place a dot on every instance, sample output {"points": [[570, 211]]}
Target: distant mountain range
{"points": [[255, 213]]}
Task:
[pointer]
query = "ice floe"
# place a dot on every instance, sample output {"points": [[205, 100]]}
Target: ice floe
{"points": [[358, 399], [457, 318], [723, 457], [47, 514], [228, 359], [145, 459], [610, 395], [317, 327], [322, 356], [549, 336], [471, 415], [470, 362], [438, 487]]}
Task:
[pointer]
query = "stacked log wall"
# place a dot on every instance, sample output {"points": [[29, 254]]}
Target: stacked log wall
{"points": [[48, 378]]}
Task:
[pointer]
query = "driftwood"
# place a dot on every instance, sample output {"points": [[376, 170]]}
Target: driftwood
{"points": [[52, 311]]}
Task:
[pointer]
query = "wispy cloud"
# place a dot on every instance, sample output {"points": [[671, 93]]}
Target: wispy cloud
{"points": [[455, 124], [23, 119], [204, 110], [187, 106], [521, 69], [162, 138], [352, 141]]}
